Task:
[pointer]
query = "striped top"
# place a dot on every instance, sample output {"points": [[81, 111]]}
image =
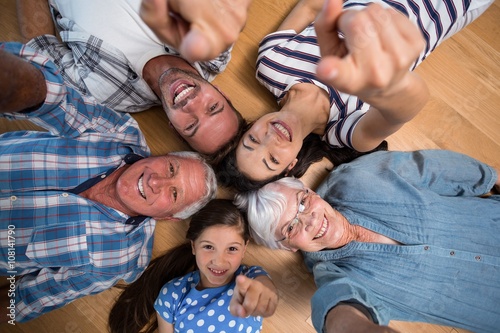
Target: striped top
{"points": [[287, 58]]}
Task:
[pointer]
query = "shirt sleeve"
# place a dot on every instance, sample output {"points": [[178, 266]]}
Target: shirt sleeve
{"points": [[334, 286], [52, 288], [167, 301], [443, 172], [67, 113], [254, 271]]}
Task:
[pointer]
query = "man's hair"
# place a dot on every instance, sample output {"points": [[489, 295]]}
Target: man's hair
{"points": [[210, 185], [264, 208], [243, 125]]}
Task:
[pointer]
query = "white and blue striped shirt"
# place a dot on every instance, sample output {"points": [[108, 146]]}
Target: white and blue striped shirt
{"points": [[287, 58]]}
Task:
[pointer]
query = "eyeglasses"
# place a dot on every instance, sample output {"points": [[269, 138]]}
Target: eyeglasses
{"points": [[290, 230]]}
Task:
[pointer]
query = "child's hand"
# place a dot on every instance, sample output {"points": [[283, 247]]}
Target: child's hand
{"points": [[253, 297]]}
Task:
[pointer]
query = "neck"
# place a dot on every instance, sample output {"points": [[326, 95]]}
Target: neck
{"points": [[105, 192], [310, 104], [155, 67]]}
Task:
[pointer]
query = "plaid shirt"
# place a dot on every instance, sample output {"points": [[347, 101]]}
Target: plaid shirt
{"points": [[65, 245], [95, 67]]}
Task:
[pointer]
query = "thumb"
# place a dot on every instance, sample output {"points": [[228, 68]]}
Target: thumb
{"points": [[196, 46]]}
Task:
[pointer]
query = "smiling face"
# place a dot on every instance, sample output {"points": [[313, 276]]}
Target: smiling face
{"points": [[309, 222], [219, 251], [199, 112], [161, 186], [269, 147]]}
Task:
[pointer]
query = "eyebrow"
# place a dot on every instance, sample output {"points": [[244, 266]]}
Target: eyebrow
{"points": [[198, 123]]}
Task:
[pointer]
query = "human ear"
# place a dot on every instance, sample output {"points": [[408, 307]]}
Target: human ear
{"points": [[192, 248], [291, 165]]}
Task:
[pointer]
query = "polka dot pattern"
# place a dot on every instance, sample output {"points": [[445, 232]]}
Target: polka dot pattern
{"points": [[200, 311]]}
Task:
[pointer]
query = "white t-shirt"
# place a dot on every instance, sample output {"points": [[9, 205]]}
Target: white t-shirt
{"points": [[107, 20]]}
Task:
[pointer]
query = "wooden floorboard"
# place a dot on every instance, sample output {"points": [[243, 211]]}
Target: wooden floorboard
{"points": [[463, 115]]}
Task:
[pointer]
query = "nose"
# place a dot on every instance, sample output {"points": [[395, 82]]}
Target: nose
{"points": [[307, 219], [219, 258], [158, 182]]}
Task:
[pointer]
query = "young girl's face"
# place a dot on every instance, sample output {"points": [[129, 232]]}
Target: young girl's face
{"points": [[219, 251]]}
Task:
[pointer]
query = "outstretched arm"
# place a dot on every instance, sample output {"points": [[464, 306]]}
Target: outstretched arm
{"points": [[345, 318], [372, 62], [303, 14], [199, 29], [34, 18], [22, 85], [254, 297]]}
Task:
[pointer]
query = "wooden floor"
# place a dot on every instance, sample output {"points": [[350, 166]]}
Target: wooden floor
{"points": [[463, 115]]}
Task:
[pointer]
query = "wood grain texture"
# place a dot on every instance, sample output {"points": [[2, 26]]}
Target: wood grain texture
{"points": [[463, 115]]}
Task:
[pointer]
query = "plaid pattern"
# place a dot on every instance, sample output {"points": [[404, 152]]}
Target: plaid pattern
{"points": [[65, 245], [96, 68]]}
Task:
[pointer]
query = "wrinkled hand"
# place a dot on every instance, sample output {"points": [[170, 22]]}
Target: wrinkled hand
{"points": [[199, 29], [253, 297], [374, 58]]}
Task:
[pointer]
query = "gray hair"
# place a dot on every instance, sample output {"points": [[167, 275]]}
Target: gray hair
{"points": [[210, 185], [264, 208]]}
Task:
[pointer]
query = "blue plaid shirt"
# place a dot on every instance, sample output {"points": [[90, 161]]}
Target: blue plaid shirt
{"points": [[65, 245]]}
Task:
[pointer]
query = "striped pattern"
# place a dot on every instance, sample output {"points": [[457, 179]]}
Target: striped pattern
{"points": [[286, 58]]}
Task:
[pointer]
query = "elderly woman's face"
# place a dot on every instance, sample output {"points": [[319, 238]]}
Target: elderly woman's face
{"points": [[308, 223]]}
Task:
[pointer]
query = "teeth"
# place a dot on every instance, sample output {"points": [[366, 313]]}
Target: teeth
{"points": [[216, 271], [283, 130], [185, 91], [322, 229], [141, 188]]}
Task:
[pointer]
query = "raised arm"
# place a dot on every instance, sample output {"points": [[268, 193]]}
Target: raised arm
{"points": [[22, 85], [303, 14], [34, 18], [372, 62], [199, 29]]}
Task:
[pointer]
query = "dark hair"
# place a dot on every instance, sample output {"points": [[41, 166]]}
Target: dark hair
{"points": [[134, 310], [313, 150], [219, 155]]}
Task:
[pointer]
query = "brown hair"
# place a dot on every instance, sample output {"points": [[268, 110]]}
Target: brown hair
{"points": [[134, 310]]}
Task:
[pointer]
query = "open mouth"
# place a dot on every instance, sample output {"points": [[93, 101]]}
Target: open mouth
{"points": [[282, 130], [323, 229], [218, 272], [141, 187], [181, 92]]}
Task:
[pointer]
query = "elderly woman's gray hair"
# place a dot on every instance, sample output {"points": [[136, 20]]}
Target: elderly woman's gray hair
{"points": [[210, 185], [264, 209]]}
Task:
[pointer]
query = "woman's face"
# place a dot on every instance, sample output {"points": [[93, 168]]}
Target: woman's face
{"points": [[309, 222], [219, 251], [269, 147]]}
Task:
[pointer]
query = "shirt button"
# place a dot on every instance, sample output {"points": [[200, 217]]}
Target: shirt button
{"points": [[13, 198], [65, 195], [426, 248], [478, 258], [452, 253], [103, 176]]}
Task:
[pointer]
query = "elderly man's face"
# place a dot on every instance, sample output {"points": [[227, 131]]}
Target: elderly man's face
{"points": [[309, 223], [161, 186], [198, 111]]}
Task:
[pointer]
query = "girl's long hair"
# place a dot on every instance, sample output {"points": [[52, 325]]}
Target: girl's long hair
{"points": [[134, 310]]}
